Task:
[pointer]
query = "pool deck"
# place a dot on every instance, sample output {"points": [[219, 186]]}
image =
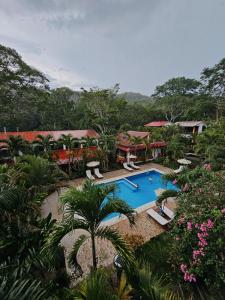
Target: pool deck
{"points": [[144, 225]]}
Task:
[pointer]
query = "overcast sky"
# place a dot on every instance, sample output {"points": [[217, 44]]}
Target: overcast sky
{"points": [[137, 43]]}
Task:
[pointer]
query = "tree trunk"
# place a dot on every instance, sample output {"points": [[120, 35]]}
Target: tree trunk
{"points": [[93, 252]]}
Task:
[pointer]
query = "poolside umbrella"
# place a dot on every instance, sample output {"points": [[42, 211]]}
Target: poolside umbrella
{"points": [[184, 161], [93, 164], [132, 156]]}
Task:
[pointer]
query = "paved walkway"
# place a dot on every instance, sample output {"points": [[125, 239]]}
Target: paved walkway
{"points": [[145, 226]]}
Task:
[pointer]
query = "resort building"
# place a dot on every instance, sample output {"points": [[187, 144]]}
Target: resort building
{"points": [[188, 127], [138, 144], [191, 127], [60, 154]]}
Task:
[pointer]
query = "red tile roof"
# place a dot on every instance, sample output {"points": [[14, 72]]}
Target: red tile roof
{"points": [[123, 138], [124, 143], [141, 134], [156, 124], [32, 135]]}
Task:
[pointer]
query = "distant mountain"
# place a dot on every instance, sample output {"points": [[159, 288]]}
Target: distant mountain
{"points": [[135, 97]]}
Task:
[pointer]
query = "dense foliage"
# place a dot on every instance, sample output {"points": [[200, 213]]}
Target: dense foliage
{"points": [[27, 103]]}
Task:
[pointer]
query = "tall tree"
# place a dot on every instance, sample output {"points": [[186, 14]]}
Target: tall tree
{"points": [[214, 83], [22, 89], [101, 108], [179, 86], [173, 107]]}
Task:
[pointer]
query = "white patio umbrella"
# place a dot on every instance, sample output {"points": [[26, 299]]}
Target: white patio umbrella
{"points": [[132, 156], [184, 161], [93, 164]]}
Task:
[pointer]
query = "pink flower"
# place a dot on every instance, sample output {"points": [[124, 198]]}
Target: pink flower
{"points": [[189, 277], [177, 238], [210, 224], [223, 211], [196, 225], [186, 187], [175, 181], [207, 167], [203, 227], [183, 268], [189, 226]]}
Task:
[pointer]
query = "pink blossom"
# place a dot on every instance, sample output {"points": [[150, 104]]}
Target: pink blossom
{"points": [[177, 238], [183, 268], [186, 187], [189, 277], [223, 211], [203, 227], [174, 181], [189, 226], [196, 225], [207, 167], [210, 224]]}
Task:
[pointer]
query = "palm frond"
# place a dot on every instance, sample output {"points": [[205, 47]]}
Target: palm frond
{"points": [[115, 205], [118, 242], [72, 257], [59, 231], [22, 289]]}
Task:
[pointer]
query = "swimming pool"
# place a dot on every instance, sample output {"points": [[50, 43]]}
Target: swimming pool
{"points": [[148, 184]]}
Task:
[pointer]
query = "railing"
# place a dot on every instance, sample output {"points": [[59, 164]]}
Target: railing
{"points": [[130, 182]]}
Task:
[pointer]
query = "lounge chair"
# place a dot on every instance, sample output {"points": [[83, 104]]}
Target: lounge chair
{"points": [[89, 175], [97, 173], [181, 168], [157, 217], [133, 165], [127, 167], [168, 212]]}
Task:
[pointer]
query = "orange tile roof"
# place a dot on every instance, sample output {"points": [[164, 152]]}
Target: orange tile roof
{"points": [[32, 135], [156, 124]]}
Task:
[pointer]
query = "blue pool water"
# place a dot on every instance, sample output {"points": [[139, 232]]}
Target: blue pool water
{"points": [[148, 183]]}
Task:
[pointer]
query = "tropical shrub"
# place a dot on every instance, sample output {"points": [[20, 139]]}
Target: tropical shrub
{"points": [[198, 249]]}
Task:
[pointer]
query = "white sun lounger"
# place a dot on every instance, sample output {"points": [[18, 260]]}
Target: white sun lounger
{"points": [[181, 168], [152, 213], [168, 212], [89, 175], [127, 167], [133, 165], [97, 173]]}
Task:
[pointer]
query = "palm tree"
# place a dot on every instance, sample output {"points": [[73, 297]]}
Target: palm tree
{"points": [[153, 287], [107, 145], [44, 142], [176, 147], [95, 287], [135, 140], [36, 174], [70, 143], [91, 206], [16, 146]]}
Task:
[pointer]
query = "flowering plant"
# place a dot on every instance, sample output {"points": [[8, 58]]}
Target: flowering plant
{"points": [[198, 233]]}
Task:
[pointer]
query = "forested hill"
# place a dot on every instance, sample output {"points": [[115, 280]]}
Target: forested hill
{"points": [[28, 103], [129, 96], [134, 97]]}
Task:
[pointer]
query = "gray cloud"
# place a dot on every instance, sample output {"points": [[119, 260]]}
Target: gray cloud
{"points": [[139, 43]]}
